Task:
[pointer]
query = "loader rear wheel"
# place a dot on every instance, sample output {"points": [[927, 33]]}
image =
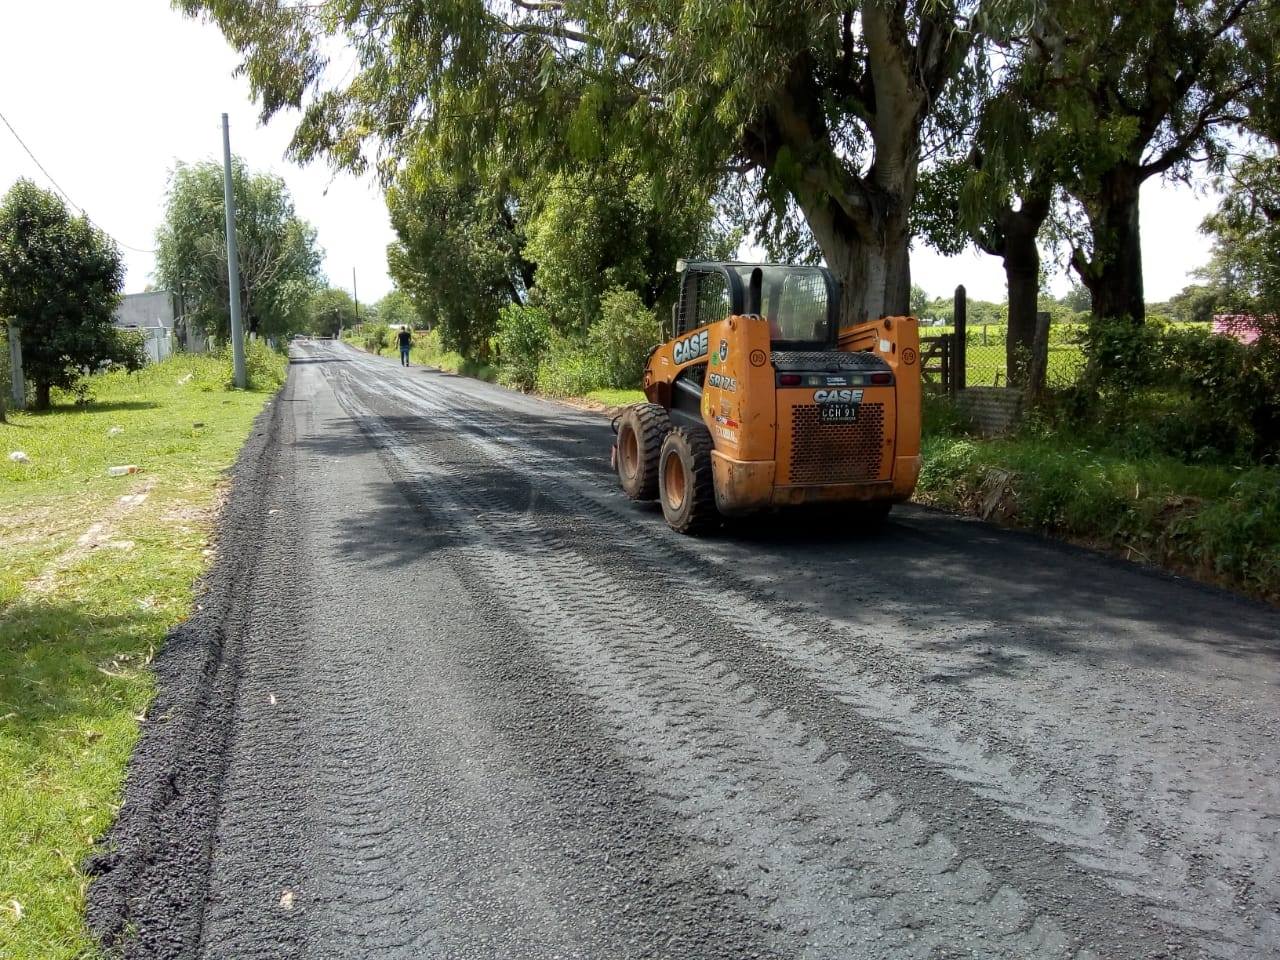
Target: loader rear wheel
{"points": [[641, 430], [686, 486]]}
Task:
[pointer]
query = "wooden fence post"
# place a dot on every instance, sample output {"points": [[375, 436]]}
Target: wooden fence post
{"points": [[960, 364]]}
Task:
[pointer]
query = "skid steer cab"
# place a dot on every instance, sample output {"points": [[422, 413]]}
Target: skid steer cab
{"points": [[759, 400]]}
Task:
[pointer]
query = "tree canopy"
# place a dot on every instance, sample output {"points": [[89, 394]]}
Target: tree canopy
{"points": [[279, 257], [397, 309], [60, 283], [457, 253], [846, 126], [330, 310], [825, 107]]}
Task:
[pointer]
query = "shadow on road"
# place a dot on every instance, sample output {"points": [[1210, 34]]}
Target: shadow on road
{"points": [[999, 599]]}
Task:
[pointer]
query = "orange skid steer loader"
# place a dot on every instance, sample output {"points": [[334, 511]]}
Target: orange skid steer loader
{"points": [[759, 401]]}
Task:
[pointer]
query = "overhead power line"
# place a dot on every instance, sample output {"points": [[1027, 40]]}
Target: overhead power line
{"points": [[62, 193]]}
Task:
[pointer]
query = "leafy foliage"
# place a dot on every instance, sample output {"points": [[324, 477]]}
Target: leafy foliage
{"points": [[1245, 274], [397, 309], [330, 310], [623, 338], [1182, 391], [608, 226], [376, 336], [524, 334], [60, 282], [279, 258], [1142, 90], [457, 255], [826, 108]]}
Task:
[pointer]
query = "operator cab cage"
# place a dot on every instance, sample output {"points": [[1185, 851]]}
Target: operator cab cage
{"points": [[801, 303]]}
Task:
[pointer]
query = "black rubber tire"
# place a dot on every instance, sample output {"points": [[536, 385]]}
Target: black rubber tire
{"points": [[647, 424], [689, 498]]}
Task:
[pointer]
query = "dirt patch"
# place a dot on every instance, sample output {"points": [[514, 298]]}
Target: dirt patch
{"points": [[101, 533]]}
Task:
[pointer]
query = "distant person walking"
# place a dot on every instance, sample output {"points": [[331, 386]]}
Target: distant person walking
{"points": [[405, 339]]}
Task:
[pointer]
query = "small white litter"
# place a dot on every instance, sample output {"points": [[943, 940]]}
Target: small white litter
{"points": [[19, 457], [122, 471], [115, 431], [185, 380]]}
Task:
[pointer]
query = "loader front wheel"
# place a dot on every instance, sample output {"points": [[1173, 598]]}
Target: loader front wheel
{"points": [[686, 486], [641, 430]]}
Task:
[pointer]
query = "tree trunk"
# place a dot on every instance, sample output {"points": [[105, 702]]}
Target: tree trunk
{"points": [[1114, 272], [1019, 229], [42, 395], [868, 254]]}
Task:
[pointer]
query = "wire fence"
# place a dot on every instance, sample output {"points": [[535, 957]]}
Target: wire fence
{"points": [[987, 361], [986, 354]]}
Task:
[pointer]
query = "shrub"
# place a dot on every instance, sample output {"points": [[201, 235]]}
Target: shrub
{"points": [[569, 369], [623, 338], [264, 367], [376, 337], [524, 332], [129, 350], [1152, 389]]}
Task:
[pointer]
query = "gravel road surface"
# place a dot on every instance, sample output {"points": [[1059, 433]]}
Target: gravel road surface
{"points": [[450, 695]]}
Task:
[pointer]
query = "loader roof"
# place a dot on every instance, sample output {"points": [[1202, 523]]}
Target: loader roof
{"points": [[800, 302]]}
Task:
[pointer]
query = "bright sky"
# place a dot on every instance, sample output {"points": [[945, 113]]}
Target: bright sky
{"points": [[108, 95], [1172, 248]]}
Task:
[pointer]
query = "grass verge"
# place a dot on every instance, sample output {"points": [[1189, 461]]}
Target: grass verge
{"points": [[97, 570], [1218, 524]]}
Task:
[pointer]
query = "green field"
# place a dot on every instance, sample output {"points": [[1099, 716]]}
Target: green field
{"points": [[985, 352], [97, 570]]}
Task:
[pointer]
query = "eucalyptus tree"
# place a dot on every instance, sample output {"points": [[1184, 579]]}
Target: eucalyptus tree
{"points": [[279, 256], [827, 104], [1143, 89], [457, 252]]}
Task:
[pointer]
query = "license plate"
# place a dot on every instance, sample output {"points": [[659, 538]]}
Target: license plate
{"points": [[837, 412]]}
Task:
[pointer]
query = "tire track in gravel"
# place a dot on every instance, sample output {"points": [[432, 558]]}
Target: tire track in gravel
{"points": [[722, 723], [460, 799], [1100, 838], [1214, 874]]}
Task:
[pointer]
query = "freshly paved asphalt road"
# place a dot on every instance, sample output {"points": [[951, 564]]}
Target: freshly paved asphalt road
{"points": [[459, 698]]}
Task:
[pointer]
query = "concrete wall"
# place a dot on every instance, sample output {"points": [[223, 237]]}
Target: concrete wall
{"points": [[994, 410], [140, 310]]}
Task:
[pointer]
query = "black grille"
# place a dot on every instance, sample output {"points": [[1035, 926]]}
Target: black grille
{"points": [[827, 361], [836, 452]]}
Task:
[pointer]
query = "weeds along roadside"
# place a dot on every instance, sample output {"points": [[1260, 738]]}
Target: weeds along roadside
{"points": [[1215, 522], [97, 570]]}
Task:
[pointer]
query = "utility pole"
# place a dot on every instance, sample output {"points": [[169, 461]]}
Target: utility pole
{"points": [[355, 294], [233, 261]]}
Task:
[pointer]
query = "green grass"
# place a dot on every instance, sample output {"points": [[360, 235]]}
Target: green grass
{"points": [[616, 398], [1214, 522], [80, 622]]}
